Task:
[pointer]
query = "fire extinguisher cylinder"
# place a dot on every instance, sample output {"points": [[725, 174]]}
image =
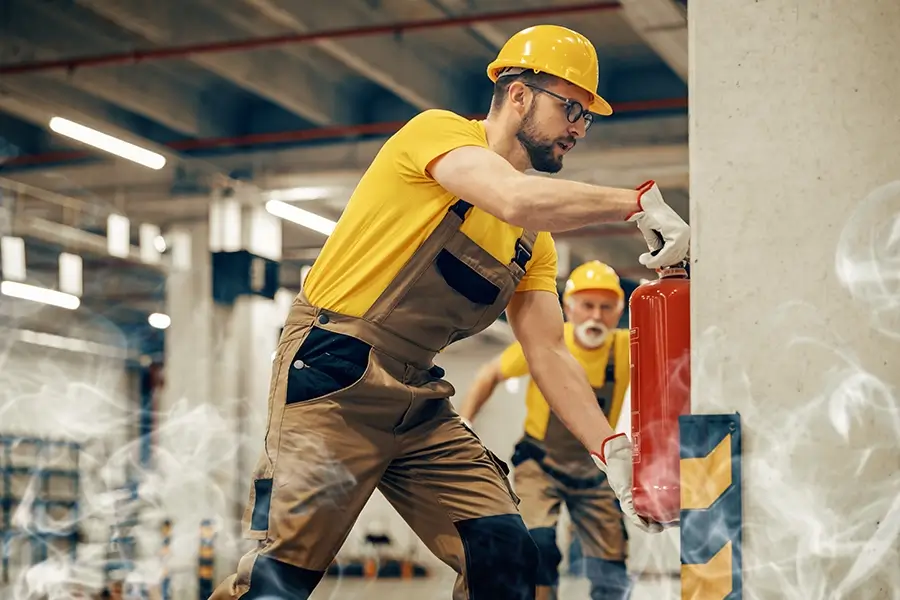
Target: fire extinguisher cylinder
{"points": [[660, 391]]}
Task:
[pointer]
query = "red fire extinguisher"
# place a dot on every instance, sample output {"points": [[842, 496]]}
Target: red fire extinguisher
{"points": [[660, 320]]}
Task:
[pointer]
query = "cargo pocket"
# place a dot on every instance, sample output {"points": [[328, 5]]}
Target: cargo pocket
{"points": [[465, 280], [503, 470], [325, 363]]}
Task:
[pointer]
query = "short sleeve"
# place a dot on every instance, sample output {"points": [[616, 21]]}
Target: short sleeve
{"points": [[433, 133], [541, 271], [512, 362]]}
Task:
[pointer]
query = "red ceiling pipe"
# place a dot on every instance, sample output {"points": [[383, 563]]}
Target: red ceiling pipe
{"points": [[384, 128], [309, 135], [137, 56]]}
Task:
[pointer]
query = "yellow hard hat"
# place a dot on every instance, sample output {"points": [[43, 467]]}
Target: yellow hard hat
{"points": [[593, 275], [558, 51]]}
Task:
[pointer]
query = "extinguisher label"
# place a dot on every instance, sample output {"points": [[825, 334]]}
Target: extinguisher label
{"points": [[634, 333]]}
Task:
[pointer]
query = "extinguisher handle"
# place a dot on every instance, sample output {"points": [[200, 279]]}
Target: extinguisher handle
{"points": [[662, 242], [683, 264]]}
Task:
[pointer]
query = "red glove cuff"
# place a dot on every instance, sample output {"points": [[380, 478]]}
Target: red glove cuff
{"points": [[602, 454], [641, 190]]}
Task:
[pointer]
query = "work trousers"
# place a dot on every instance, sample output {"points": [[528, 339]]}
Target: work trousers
{"points": [[345, 418]]}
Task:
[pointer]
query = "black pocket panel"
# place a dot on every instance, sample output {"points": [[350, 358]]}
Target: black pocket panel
{"points": [[465, 280], [259, 520], [325, 363]]}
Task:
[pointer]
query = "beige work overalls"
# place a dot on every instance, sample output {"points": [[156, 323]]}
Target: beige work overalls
{"points": [[357, 404], [556, 470]]}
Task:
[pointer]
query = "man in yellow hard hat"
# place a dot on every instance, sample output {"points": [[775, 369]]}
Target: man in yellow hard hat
{"points": [[444, 232], [550, 466]]}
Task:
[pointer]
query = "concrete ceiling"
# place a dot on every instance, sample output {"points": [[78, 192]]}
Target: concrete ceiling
{"points": [[306, 111]]}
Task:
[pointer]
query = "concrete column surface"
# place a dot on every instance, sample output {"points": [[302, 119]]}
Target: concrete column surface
{"points": [[213, 412], [795, 210], [189, 426]]}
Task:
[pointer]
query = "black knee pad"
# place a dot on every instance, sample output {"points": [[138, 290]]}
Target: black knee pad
{"points": [[549, 555], [275, 580], [501, 558]]}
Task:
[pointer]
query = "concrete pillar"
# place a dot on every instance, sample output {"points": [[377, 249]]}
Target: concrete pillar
{"points": [[795, 210], [218, 367], [187, 418]]}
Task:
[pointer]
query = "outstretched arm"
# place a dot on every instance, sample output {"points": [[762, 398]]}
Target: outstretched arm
{"points": [[537, 321], [488, 181], [491, 183]]}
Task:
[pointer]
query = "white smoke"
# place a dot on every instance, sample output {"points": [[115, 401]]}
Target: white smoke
{"points": [[821, 465]]}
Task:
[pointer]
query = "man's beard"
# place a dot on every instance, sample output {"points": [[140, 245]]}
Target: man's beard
{"points": [[590, 339], [542, 154]]}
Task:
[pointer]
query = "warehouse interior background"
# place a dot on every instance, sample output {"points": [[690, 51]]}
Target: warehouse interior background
{"points": [[134, 375]]}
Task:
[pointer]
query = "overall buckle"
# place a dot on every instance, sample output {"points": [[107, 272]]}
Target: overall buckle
{"points": [[523, 254]]}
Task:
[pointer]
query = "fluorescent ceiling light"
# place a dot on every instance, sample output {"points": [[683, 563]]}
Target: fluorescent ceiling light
{"points": [[23, 291], [108, 143], [298, 194], [300, 216], [159, 321]]}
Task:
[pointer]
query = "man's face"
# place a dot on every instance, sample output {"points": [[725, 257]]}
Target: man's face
{"points": [[545, 131], [593, 314]]}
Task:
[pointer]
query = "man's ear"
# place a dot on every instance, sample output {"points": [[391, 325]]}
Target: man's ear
{"points": [[518, 96]]}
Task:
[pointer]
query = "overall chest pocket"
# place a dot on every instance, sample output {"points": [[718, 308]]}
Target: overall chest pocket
{"points": [[326, 363], [465, 280]]}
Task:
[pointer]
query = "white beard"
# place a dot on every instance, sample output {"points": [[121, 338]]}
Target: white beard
{"points": [[589, 339]]}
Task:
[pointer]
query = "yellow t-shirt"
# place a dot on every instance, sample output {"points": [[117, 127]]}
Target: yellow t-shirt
{"points": [[395, 207], [513, 364]]}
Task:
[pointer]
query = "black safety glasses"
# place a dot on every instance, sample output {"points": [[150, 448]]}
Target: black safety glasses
{"points": [[574, 108]]}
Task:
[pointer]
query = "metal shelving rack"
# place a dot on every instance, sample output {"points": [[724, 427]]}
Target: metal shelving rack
{"points": [[43, 475]]}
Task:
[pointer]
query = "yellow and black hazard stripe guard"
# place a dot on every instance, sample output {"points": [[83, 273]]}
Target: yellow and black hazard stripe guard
{"points": [[711, 507]]}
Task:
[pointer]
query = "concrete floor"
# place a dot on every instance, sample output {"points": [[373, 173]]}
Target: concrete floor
{"points": [[438, 588]]}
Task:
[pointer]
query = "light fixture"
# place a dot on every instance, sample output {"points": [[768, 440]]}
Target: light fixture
{"points": [[159, 242], [23, 291], [299, 194], [107, 143], [300, 216], [159, 321]]}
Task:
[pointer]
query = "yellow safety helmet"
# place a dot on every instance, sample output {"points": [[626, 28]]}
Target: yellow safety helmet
{"points": [[593, 275], [558, 51]]}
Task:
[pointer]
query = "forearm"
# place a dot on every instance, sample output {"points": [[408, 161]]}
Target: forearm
{"points": [[478, 395], [553, 205], [565, 386]]}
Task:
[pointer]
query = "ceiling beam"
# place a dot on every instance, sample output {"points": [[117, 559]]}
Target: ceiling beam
{"points": [[489, 32], [663, 25], [269, 73], [387, 61], [39, 100], [44, 33]]}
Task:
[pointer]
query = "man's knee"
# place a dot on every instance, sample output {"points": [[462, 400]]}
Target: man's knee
{"points": [[270, 579], [549, 555], [609, 579], [501, 557]]}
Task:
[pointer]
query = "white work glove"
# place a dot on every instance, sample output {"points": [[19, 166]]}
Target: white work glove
{"points": [[666, 234], [616, 463]]}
